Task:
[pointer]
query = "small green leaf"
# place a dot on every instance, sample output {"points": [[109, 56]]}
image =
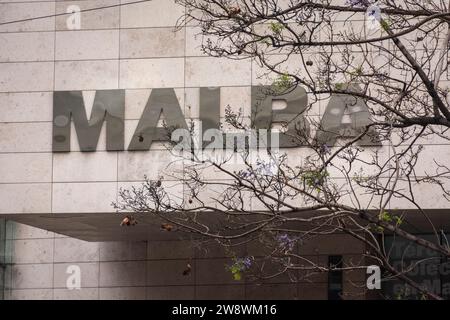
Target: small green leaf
{"points": [[276, 27], [282, 83]]}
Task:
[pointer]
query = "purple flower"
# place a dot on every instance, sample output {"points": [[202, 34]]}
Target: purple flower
{"points": [[325, 149], [242, 264], [285, 242], [355, 3], [247, 262]]}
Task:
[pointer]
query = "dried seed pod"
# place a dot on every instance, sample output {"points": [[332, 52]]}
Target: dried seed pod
{"points": [[128, 221], [125, 221], [167, 227], [188, 270], [234, 11]]}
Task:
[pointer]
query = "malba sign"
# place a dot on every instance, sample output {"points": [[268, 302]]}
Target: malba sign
{"points": [[109, 107]]}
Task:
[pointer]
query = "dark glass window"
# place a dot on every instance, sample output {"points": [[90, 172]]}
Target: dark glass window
{"points": [[425, 267], [335, 278], [445, 269], [2, 257]]}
